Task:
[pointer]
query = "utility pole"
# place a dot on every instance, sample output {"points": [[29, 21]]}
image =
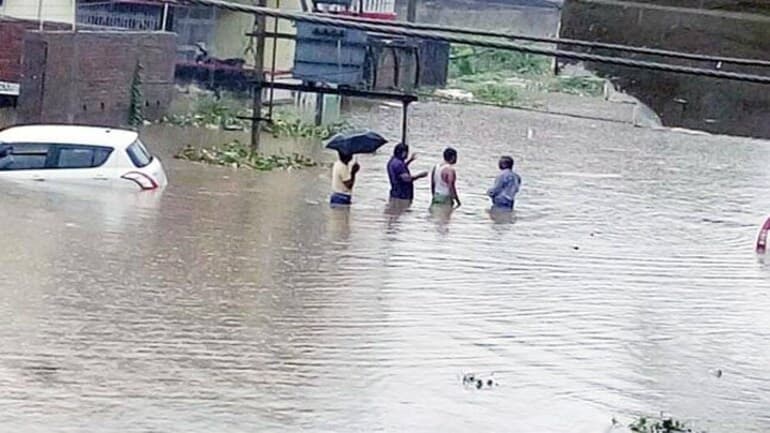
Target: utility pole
{"points": [[259, 76], [411, 16], [40, 15], [411, 11]]}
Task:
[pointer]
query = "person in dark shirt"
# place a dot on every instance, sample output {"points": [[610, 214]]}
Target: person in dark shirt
{"points": [[401, 179]]}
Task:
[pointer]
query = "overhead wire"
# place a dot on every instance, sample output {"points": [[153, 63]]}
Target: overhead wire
{"points": [[436, 36], [561, 41]]}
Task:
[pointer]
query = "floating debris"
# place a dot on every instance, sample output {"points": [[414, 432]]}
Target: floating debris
{"points": [[236, 155], [474, 380]]}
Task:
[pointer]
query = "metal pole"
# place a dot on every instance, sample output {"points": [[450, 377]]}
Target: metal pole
{"points": [[259, 69], [411, 11], [404, 121], [74, 15], [275, 55], [40, 14], [165, 17]]}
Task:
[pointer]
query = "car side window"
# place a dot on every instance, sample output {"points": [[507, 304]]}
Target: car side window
{"points": [[75, 158], [22, 156], [82, 157], [36, 156]]}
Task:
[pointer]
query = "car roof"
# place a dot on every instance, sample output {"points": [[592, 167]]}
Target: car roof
{"points": [[68, 134]]}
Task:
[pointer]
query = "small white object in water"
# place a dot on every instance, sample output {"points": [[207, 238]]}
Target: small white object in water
{"points": [[530, 133]]}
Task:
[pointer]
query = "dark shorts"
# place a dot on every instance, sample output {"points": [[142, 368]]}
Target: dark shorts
{"points": [[338, 199]]}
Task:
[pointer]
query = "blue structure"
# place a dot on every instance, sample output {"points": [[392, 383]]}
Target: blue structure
{"points": [[345, 3], [328, 54]]}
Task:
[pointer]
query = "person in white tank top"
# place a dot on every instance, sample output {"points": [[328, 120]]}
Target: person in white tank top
{"points": [[443, 180]]}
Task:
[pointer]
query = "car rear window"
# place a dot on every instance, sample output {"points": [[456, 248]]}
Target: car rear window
{"points": [[138, 154]]}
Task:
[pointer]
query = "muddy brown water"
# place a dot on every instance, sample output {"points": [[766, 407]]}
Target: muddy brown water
{"points": [[239, 302]]}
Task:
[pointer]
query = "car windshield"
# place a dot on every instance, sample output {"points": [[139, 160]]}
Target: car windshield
{"points": [[139, 154]]}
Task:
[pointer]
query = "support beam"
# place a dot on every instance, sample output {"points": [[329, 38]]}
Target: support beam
{"points": [[259, 69], [391, 96], [404, 121], [411, 11]]}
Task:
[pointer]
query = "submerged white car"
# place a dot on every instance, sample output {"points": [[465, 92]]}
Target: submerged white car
{"points": [[79, 154]]}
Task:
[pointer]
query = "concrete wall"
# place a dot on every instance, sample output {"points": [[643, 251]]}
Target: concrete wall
{"points": [[538, 18], [708, 104], [53, 10], [85, 77]]}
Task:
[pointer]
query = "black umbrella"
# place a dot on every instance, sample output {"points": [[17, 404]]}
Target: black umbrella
{"points": [[357, 142]]}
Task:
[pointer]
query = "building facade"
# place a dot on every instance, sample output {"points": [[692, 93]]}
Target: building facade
{"points": [[60, 11]]}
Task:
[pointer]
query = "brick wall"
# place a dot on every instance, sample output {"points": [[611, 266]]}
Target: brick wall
{"points": [[11, 45], [85, 77], [11, 41]]}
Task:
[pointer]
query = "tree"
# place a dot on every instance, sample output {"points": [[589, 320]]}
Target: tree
{"points": [[135, 114]]}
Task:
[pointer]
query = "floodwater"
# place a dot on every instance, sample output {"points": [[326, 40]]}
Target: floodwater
{"points": [[239, 302]]}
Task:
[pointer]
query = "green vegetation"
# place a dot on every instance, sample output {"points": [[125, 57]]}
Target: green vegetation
{"points": [[213, 113], [286, 125], [237, 154], [662, 425], [494, 93], [467, 60], [511, 78], [135, 114]]}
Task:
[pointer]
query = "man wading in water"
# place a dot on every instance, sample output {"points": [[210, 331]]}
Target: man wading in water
{"points": [[401, 179], [507, 184], [343, 180], [443, 180]]}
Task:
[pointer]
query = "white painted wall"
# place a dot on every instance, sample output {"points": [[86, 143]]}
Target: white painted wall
{"points": [[52, 10]]}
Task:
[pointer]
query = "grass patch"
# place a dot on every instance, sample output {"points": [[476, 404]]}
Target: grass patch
{"points": [[465, 61], [236, 154], [492, 93], [582, 86], [506, 78]]}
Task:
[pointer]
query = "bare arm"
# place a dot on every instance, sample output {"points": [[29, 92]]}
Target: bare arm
{"points": [[406, 177], [352, 181], [450, 177]]}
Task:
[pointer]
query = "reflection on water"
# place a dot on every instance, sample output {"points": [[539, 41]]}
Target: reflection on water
{"points": [[240, 302]]}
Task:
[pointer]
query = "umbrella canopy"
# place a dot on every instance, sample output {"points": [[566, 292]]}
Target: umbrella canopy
{"points": [[358, 142]]}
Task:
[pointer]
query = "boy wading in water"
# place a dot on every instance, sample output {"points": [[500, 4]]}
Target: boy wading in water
{"points": [[503, 192], [343, 180], [443, 180]]}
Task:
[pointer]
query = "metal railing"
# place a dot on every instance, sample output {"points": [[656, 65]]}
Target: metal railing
{"points": [[101, 17], [364, 7]]}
